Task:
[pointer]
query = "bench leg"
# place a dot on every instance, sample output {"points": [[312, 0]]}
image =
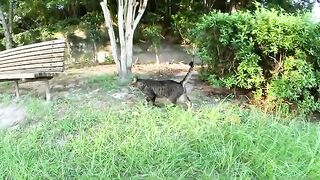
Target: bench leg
{"points": [[16, 84], [48, 97]]}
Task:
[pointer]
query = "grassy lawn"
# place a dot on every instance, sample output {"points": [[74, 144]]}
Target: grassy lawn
{"points": [[72, 138]]}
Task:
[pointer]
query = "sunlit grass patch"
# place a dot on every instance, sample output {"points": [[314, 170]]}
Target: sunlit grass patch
{"points": [[5, 98], [107, 82], [6, 84]]}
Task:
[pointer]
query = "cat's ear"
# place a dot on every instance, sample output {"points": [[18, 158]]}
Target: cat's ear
{"points": [[134, 80]]}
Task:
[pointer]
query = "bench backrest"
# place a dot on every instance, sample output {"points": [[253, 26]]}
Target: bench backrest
{"points": [[34, 58]]}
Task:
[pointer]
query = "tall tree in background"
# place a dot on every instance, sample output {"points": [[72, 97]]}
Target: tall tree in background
{"points": [[10, 16], [7, 31], [129, 15]]}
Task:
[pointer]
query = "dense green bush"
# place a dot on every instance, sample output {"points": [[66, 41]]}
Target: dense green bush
{"points": [[183, 22], [33, 36], [152, 35], [275, 54]]}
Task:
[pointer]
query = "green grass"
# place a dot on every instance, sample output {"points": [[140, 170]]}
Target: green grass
{"points": [[70, 139], [5, 84], [106, 82]]}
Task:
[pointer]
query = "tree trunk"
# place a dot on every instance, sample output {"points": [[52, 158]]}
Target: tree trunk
{"points": [[123, 51], [129, 46], [135, 21], [157, 56], [127, 23], [109, 25], [131, 5], [6, 30], [94, 53], [232, 6], [75, 8], [69, 51], [10, 17], [168, 13]]}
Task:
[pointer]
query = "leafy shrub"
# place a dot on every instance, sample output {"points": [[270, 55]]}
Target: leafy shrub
{"points": [[90, 23], [270, 52], [33, 36], [152, 34], [183, 23]]}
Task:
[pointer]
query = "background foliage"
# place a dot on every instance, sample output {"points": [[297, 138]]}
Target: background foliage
{"points": [[273, 53], [35, 16]]}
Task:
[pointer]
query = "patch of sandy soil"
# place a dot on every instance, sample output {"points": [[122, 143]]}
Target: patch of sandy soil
{"points": [[11, 115], [72, 79]]}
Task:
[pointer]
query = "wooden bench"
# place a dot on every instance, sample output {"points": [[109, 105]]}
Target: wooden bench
{"points": [[40, 61]]}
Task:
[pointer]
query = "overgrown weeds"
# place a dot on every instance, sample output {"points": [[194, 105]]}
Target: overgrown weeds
{"points": [[139, 141]]}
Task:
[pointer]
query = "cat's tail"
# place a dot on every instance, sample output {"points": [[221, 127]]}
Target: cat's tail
{"points": [[188, 75]]}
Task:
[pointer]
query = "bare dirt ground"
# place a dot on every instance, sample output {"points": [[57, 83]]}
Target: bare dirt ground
{"points": [[74, 81]]}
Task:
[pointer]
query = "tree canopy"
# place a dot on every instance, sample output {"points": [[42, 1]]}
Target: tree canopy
{"points": [[57, 14]]}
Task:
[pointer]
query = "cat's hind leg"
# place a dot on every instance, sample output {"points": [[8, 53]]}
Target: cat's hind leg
{"points": [[184, 99], [151, 96]]}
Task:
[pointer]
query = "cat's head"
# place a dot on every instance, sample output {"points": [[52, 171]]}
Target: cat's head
{"points": [[136, 83]]}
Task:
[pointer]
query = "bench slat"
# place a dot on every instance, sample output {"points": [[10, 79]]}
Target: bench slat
{"points": [[27, 51], [34, 70], [36, 61], [35, 53], [47, 74], [40, 48], [30, 66], [27, 75], [33, 58], [17, 76], [17, 49]]}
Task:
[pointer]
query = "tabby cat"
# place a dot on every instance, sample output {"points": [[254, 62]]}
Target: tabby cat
{"points": [[172, 90]]}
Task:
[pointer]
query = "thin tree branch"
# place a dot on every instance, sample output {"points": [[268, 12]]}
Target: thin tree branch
{"points": [[121, 22], [142, 8], [135, 11], [125, 9], [129, 18]]}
